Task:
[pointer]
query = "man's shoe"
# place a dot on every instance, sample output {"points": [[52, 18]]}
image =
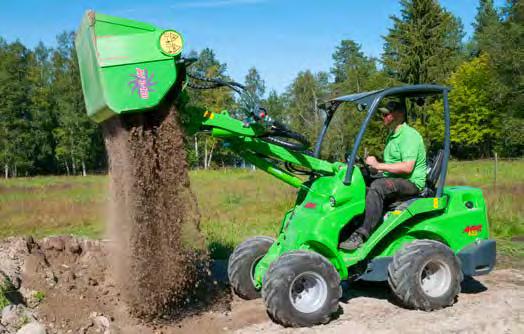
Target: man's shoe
{"points": [[353, 242]]}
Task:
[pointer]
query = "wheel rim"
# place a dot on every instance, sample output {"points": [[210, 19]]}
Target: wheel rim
{"points": [[308, 292], [253, 266], [435, 278]]}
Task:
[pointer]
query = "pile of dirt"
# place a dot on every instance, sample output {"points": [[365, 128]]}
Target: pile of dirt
{"points": [[66, 285], [153, 215]]}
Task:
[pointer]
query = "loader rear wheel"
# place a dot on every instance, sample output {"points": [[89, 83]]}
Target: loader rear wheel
{"points": [[425, 275], [301, 288], [242, 264]]}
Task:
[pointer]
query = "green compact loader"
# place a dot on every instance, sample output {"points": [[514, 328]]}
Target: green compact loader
{"points": [[425, 245]]}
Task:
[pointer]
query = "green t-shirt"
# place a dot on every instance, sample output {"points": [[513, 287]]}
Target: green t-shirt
{"points": [[406, 144]]}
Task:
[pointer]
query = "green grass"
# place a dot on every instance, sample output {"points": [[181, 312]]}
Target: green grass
{"points": [[5, 288], [39, 296], [503, 198], [234, 204], [42, 206]]}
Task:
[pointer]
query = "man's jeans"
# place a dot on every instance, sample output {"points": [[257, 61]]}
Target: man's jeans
{"points": [[381, 191]]}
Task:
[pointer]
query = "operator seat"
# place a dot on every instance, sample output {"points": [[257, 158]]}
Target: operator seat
{"points": [[432, 176], [434, 168]]}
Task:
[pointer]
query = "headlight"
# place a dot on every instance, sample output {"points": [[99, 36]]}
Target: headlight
{"points": [[171, 43]]}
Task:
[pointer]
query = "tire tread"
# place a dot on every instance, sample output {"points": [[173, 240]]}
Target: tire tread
{"points": [[400, 274], [237, 264], [275, 278]]}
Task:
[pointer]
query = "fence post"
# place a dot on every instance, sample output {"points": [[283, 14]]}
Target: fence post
{"points": [[495, 172]]}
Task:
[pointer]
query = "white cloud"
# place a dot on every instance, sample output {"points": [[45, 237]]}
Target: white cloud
{"points": [[216, 3]]}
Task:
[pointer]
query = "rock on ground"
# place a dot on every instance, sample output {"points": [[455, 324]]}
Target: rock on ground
{"points": [[12, 253], [32, 328], [15, 316]]}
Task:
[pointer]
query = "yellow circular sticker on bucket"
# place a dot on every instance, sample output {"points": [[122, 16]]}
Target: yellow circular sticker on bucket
{"points": [[171, 42]]}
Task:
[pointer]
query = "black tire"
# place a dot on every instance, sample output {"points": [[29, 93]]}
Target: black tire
{"points": [[241, 262], [287, 272], [418, 262]]}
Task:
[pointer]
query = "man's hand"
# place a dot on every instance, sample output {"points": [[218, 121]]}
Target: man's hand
{"points": [[405, 167], [372, 162], [399, 168]]}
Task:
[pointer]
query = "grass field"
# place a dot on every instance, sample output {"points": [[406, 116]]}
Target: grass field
{"points": [[234, 204]]}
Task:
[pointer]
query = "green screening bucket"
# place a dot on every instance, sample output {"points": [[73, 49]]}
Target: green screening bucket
{"points": [[125, 66]]}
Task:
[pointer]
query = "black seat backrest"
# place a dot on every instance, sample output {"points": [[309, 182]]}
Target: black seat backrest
{"points": [[434, 168]]}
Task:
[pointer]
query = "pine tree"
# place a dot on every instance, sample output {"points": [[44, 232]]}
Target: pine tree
{"points": [[352, 69], [486, 23], [424, 45], [508, 60]]}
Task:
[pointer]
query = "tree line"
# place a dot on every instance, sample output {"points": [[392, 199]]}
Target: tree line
{"points": [[44, 128], [43, 124]]}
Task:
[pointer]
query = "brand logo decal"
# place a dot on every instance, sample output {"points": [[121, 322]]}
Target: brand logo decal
{"points": [[473, 230], [142, 83]]}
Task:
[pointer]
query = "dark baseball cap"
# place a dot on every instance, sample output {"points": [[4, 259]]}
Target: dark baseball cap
{"points": [[392, 106]]}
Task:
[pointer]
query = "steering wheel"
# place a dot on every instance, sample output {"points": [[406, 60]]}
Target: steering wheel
{"points": [[361, 161], [280, 135]]}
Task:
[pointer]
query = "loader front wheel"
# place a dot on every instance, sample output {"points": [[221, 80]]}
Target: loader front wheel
{"points": [[301, 288], [242, 263], [425, 275]]}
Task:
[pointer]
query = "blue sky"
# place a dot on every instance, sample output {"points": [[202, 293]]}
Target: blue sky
{"points": [[278, 37]]}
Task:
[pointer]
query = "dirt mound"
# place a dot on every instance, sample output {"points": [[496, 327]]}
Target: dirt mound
{"points": [[153, 215], [65, 283]]}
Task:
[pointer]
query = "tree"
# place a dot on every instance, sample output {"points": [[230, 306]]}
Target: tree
{"points": [[474, 122], [16, 143], [214, 100], [487, 23], [424, 45], [500, 38], [508, 59], [76, 135], [255, 89], [352, 69], [254, 83], [42, 108], [275, 106], [304, 95]]}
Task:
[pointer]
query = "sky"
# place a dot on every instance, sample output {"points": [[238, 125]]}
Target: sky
{"points": [[279, 38]]}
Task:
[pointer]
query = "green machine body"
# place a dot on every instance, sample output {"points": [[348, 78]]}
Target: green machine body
{"points": [[126, 66]]}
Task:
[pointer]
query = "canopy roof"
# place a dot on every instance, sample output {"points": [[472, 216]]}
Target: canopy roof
{"points": [[402, 91]]}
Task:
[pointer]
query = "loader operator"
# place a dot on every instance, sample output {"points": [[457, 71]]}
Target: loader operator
{"points": [[404, 170]]}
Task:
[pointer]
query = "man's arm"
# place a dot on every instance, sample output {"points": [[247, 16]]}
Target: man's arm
{"points": [[405, 167]]}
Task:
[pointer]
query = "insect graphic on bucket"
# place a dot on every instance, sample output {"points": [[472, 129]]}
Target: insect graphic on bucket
{"points": [[142, 83]]}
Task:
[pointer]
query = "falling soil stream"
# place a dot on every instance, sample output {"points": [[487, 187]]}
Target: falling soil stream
{"points": [[153, 218]]}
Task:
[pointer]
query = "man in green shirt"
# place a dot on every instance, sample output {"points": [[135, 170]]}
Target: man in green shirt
{"points": [[404, 169]]}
